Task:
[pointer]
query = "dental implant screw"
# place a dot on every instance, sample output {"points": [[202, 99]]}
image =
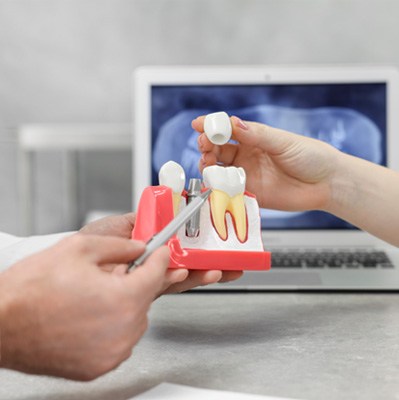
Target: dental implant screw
{"points": [[193, 224]]}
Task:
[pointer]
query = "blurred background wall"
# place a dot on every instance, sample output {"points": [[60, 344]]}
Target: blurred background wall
{"points": [[70, 61]]}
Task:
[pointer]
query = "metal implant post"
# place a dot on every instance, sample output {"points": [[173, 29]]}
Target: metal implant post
{"points": [[193, 224]]}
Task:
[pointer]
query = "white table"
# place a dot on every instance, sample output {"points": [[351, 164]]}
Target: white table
{"points": [[70, 138]]}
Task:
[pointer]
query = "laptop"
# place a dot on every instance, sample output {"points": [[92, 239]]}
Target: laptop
{"points": [[354, 108]]}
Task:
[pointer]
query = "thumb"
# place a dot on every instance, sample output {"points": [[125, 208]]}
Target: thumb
{"points": [[254, 134]]}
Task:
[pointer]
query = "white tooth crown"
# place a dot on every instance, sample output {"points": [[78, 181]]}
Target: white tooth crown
{"points": [[217, 127], [230, 180], [172, 175]]}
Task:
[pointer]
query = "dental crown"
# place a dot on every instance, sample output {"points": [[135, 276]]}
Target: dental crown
{"points": [[217, 127], [231, 180], [172, 175]]}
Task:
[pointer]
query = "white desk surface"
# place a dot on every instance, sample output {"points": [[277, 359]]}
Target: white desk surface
{"points": [[304, 346]]}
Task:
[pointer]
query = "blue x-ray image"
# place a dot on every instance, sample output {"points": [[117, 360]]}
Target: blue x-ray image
{"points": [[351, 117]]}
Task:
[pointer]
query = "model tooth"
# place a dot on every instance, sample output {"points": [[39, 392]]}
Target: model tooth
{"points": [[172, 175], [237, 209], [228, 186], [219, 202]]}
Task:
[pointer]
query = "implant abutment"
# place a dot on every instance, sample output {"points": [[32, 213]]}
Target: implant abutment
{"points": [[193, 224]]}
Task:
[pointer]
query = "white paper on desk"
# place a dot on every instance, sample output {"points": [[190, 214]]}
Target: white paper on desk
{"points": [[170, 391]]}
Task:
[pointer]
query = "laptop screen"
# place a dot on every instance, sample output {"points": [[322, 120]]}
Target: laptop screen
{"points": [[350, 116]]}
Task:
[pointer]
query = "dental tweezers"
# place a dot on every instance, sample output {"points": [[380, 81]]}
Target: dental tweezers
{"points": [[166, 233]]}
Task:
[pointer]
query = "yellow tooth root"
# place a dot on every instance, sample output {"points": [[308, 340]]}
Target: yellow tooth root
{"points": [[219, 201], [237, 209], [176, 203]]}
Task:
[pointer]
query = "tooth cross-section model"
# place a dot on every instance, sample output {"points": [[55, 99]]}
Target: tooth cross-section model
{"points": [[228, 186], [172, 175]]}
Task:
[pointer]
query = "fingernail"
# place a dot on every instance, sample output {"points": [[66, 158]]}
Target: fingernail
{"points": [[203, 158], [241, 124]]}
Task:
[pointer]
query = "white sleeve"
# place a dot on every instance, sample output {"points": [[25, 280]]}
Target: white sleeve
{"points": [[13, 248]]}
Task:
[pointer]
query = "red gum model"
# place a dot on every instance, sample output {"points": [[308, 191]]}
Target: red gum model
{"points": [[155, 211]]}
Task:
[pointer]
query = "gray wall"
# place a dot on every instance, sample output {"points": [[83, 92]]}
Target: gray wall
{"points": [[71, 61]]}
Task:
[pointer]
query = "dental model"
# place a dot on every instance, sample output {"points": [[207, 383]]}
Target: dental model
{"points": [[217, 127], [230, 220], [172, 175], [225, 234], [228, 186]]}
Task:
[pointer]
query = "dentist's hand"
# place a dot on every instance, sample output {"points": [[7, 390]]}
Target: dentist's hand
{"points": [[176, 280], [296, 173], [284, 170], [61, 315]]}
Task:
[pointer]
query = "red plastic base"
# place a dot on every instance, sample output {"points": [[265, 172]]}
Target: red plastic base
{"points": [[155, 211]]}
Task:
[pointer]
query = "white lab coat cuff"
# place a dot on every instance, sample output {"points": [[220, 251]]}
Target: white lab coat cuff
{"points": [[13, 248]]}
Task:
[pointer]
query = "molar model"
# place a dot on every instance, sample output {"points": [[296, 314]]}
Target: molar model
{"points": [[229, 236], [228, 186]]}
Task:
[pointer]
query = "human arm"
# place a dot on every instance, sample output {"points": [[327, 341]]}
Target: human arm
{"points": [[176, 280], [61, 315], [292, 172]]}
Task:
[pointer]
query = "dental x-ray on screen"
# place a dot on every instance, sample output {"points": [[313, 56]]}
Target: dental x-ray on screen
{"points": [[350, 116]]}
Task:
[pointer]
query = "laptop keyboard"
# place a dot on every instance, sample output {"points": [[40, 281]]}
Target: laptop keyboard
{"points": [[330, 259]]}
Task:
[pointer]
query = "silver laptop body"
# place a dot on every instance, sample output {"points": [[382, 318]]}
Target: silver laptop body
{"points": [[310, 251]]}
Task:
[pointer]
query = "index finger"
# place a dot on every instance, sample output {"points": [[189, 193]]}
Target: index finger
{"points": [[105, 249], [198, 123]]}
